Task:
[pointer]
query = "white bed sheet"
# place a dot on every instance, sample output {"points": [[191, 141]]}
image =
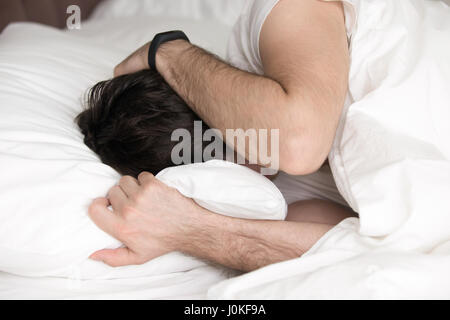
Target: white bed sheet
{"points": [[191, 284]]}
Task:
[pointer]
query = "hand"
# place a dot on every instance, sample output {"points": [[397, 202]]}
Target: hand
{"points": [[135, 62], [148, 217]]}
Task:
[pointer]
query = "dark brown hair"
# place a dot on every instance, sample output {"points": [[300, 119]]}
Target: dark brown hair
{"points": [[129, 121]]}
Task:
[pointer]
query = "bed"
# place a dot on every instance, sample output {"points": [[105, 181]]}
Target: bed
{"points": [[399, 248]]}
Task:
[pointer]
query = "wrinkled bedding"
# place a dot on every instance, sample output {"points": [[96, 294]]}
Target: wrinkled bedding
{"points": [[43, 73], [391, 162]]}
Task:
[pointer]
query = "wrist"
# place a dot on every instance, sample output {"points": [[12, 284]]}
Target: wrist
{"points": [[192, 221], [167, 53], [203, 231]]}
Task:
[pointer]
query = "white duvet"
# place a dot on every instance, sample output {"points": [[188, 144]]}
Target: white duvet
{"points": [[391, 161]]}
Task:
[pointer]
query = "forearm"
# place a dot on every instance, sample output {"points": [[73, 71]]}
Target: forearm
{"points": [[249, 244], [228, 98], [225, 97]]}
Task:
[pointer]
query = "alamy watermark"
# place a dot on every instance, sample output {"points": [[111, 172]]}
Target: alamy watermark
{"points": [[73, 22], [258, 146]]}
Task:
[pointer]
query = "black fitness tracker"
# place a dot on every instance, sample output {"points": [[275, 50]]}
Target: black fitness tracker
{"points": [[158, 40]]}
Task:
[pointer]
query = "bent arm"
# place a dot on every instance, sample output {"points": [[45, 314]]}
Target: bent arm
{"points": [[152, 219], [304, 52]]}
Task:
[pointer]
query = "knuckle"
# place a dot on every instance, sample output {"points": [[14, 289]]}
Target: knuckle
{"points": [[123, 230], [128, 212], [145, 174], [137, 198], [142, 175], [147, 187], [124, 180], [93, 208], [114, 189]]}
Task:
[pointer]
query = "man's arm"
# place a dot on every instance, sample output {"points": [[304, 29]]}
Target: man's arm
{"points": [[248, 245], [152, 219], [303, 47]]}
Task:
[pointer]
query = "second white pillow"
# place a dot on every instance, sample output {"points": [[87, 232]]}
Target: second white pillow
{"points": [[229, 189]]}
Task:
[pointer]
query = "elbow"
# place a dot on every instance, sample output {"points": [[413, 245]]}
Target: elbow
{"points": [[302, 155], [305, 144]]}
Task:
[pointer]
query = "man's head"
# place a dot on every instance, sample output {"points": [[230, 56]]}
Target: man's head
{"points": [[129, 121]]}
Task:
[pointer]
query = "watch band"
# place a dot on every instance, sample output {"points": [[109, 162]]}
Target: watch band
{"points": [[158, 40]]}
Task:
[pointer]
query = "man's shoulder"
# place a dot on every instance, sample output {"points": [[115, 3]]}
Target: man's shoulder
{"points": [[243, 45]]}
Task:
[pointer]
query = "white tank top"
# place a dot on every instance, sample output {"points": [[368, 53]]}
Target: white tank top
{"points": [[243, 45], [243, 53]]}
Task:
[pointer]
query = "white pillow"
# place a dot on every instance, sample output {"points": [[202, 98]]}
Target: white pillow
{"points": [[49, 177], [126, 34], [229, 189]]}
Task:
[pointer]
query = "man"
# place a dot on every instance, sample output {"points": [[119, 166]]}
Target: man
{"points": [[303, 52]]}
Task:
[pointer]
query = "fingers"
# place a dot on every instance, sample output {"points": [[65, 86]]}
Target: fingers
{"points": [[129, 185], [137, 61], [116, 257], [103, 217], [145, 178], [117, 198], [125, 67], [118, 70]]}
